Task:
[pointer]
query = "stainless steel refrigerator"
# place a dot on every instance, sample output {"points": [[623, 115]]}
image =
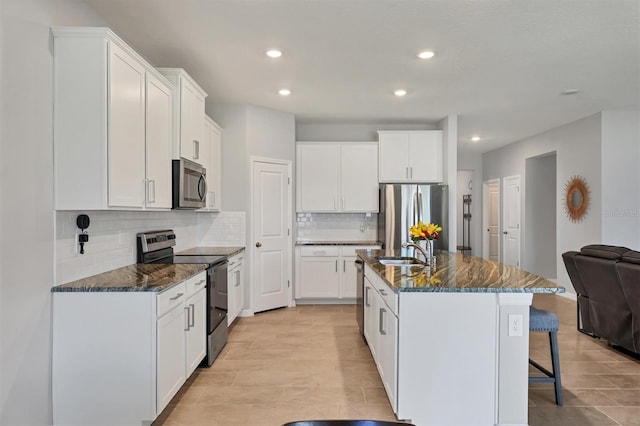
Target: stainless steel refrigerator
{"points": [[403, 205]]}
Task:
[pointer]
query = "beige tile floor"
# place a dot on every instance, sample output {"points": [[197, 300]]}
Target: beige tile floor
{"points": [[310, 362]]}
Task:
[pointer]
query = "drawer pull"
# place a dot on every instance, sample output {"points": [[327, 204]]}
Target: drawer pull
{"points": [[177, 296], [382, 292], [199, 282]]}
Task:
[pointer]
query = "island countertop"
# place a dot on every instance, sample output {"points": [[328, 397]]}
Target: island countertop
{"points": [[457, 273], [137, 277]]}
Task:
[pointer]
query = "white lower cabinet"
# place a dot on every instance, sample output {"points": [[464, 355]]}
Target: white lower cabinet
{"points": [[130, 351], [171, 355], [196, 345], [381, 332], [235, 285], [326, 272]]}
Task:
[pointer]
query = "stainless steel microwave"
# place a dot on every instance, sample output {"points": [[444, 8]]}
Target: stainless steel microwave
{"points": [[189, 185]]}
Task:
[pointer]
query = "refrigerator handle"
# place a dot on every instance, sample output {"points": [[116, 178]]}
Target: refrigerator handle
{"points": [[420, 212]]}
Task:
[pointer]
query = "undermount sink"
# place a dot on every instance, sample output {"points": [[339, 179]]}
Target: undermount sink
{"points": [[400, 261]]}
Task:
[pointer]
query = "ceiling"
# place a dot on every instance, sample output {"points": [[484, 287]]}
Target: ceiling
{"points": [[501, 65]]}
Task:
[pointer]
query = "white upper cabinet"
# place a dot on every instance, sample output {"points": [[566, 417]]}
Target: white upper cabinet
{"points": [[359, 177], [410, 156], [126, 135], [159, 95], [188, 113], [317, 177], [337, 177], [109, 120], [212, 162]]}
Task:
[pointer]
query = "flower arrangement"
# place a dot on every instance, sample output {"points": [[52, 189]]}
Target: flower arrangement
{"points": [[422, 231]]}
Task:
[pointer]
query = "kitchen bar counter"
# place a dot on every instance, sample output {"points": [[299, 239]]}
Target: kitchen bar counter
{"points": [[134, 278], [457, 273], [211, 251], [455, 336]]}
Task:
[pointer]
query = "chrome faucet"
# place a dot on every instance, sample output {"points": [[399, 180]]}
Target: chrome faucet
{"points": [[412, 244]]}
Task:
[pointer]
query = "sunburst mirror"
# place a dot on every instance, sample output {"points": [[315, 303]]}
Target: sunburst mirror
{"points": [[576, 198]]}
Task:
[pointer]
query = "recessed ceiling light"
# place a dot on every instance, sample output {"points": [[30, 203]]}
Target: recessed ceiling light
{"points": [[427, 54], [274, 53], [284, 92], [568, 92], [400, 92], [475, 138]]}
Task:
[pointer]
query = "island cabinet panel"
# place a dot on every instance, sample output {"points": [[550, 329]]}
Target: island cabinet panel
{"points": [[337, 177], [447, 357], [411, 156]]}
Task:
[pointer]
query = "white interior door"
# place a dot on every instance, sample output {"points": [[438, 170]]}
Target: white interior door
{"points": [[271, 234], [511, 221], [491, 222]]}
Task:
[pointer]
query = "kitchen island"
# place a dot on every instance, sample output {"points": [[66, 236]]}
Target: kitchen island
{"points": [[451, 343]]}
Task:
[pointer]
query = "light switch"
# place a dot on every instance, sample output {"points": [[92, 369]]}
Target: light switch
{"points": [[515, 325]]}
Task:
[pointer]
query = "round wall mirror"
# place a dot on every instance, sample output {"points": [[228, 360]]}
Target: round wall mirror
{"points": [[576, 198]]}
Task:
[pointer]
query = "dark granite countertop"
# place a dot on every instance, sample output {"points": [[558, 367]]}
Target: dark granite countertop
{"points": [[337, 243], [138, 277], [457, 273], [212, 251]]}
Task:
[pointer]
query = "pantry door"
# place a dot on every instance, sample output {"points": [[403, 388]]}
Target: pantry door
{"points": [[511, 221], [271, 232]]}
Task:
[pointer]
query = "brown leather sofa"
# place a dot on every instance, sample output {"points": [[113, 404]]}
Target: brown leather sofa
{"points": [[607, 282]]}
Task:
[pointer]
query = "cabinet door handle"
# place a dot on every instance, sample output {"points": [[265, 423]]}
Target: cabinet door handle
{"points": [[177, 296], [152, 191], [237, 279], [366, 296], [411, 172], [186, 308], [381, 321], [344, 266], [196, 149], [193, 315], [199, 282], [382, 292], [336, 266]]}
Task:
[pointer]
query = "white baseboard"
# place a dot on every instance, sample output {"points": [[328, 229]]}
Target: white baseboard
{"points": [[326, 301]]}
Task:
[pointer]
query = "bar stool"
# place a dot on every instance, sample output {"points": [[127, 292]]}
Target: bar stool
{"points": [[541, 320], [346, 423]]}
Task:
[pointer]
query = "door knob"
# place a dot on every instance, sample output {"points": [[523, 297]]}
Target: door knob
{"points": [[258, 244]]}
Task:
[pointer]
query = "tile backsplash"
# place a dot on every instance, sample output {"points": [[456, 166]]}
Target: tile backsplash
{"points": [[112, 237], [336, 227]]}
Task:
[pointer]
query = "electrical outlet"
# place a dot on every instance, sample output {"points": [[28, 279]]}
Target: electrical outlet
{"points": [[515, 325]]}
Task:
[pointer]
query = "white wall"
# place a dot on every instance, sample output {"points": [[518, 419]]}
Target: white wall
{"points": [[473, 162], [577, 146], [621, 178], [346, 132], [233, 120], [27, 221], [540, 206], [250, 131], [449, 127]]}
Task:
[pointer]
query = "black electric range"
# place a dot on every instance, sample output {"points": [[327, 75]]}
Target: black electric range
{"points": [[157, 247]]}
